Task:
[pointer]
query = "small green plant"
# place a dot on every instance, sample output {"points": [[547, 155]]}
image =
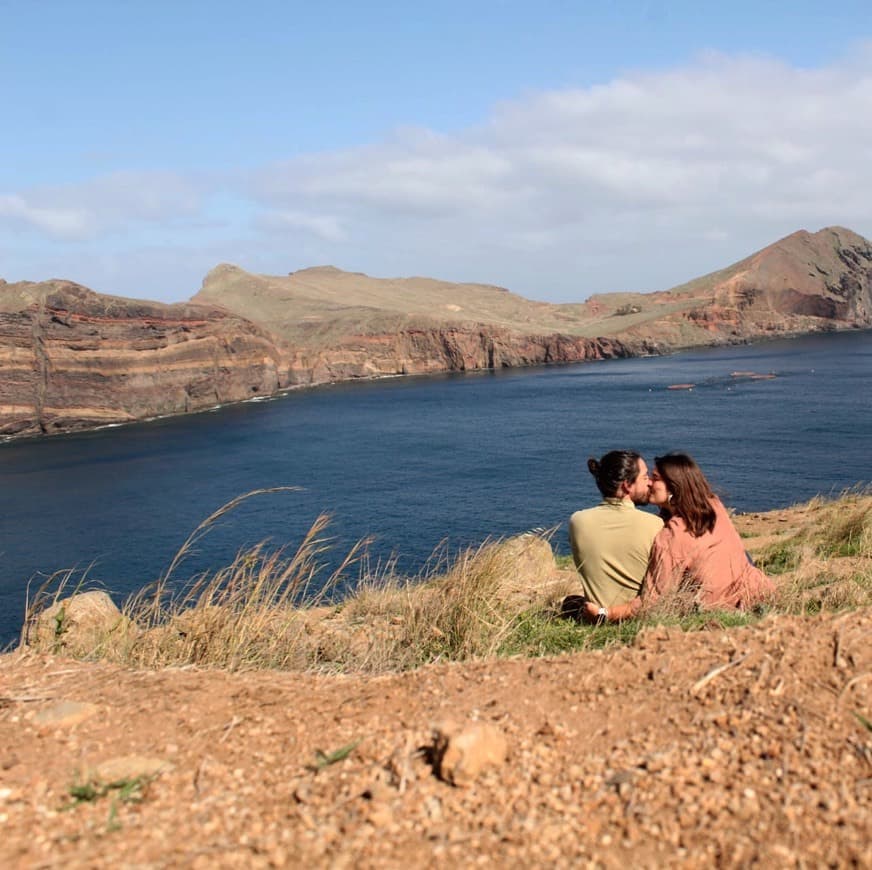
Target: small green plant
{"points": [[325, 759], [863, 721], [122, 791], [60, 626], [130, 790]]}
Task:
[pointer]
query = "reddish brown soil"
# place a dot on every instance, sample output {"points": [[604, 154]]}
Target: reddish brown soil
{"points": [[625, 758]]}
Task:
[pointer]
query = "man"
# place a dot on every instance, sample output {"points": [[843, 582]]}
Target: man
{"points": [[611, 542]]}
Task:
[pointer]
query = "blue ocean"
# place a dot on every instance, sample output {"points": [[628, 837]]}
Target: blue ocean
{"points": [[425, 463]]}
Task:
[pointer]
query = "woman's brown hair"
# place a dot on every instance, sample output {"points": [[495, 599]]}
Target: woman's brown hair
{"points": [[691, 494]]}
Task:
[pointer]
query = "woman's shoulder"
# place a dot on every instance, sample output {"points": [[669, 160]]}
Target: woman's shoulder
{"points": [[673, 527], [722, 515], [673, 542]]}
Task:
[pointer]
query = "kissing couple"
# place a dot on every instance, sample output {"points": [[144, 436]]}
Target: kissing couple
{"points": [[628, 559]]}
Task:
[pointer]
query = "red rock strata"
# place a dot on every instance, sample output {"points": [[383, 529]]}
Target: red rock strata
{"points": [[73, 359], [426, 351]]}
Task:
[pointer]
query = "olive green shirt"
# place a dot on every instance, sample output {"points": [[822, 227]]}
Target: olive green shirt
{"points": [[610, 546]]}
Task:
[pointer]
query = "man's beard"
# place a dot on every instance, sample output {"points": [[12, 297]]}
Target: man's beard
{"points": [[641, 500]]}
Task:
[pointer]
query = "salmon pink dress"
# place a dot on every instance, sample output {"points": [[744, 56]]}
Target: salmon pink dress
{"points": [[713, 567]]}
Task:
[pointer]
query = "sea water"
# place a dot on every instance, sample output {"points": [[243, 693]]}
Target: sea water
{"points": [[420, 464]]}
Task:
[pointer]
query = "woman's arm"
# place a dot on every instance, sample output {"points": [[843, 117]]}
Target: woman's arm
{"points": [[615, 613]]}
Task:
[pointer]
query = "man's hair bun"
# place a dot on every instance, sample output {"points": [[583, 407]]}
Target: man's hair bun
{"points": [[615, 468]]}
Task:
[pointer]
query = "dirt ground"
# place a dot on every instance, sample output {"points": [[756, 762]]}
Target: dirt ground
{"points": [[716, 748]]}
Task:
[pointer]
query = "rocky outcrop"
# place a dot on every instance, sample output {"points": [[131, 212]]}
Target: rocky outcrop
{"points": [[825, 275], [73, 359], [75, 625], [802, 283]]}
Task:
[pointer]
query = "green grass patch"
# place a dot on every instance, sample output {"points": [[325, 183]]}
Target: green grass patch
{"points": [[542, 633], [778, 558], [711, 620]]}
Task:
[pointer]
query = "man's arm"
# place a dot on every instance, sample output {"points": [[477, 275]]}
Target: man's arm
{"points": [[575, 537]]}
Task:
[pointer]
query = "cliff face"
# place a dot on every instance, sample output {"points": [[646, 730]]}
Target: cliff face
{"points": [[450, 349], [72, 359], [336, 325], [806, 282], [826, 275]]}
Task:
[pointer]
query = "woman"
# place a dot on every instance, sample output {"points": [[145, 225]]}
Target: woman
{"points": [[698, 553]]}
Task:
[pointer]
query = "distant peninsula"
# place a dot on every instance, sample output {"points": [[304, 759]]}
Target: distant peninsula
{"points": [[72, 359]]}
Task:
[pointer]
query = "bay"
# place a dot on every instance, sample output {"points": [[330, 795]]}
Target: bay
{"points": [[422, 462]]}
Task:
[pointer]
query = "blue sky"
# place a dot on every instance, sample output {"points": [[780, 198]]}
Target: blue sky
{"points": [[557, 148]]}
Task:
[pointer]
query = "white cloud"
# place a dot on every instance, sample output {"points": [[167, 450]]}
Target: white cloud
{"points": [[57, 222], [638, 183], [323, 226], [419, 174], [102, 206]]}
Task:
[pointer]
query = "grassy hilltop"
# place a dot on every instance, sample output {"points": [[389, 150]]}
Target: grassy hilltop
{"points": [[440, 723]]}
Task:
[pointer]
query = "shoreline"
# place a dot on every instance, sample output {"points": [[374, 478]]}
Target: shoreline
{"points": [[280, 393]]}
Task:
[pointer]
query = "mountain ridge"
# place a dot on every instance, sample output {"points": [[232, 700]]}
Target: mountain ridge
{"points": [[72, 358]]}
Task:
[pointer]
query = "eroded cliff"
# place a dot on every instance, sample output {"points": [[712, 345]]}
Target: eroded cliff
{"points": [[73, 359], [449, 349]]}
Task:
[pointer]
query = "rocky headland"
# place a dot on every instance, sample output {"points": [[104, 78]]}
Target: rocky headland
{"points": [[74, 359]]}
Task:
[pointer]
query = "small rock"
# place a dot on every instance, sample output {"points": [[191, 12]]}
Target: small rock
{"points": [[463, 754], [380, 816], [128, 767], [78, 623], [433, 808], [65, 713]]}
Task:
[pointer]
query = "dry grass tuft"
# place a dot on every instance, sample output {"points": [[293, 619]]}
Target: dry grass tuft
{"points": [[275, 609], [825, 561]]}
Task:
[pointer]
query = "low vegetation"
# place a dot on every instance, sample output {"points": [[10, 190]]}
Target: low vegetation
{"points": [[822, 560], [276, 609]]}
